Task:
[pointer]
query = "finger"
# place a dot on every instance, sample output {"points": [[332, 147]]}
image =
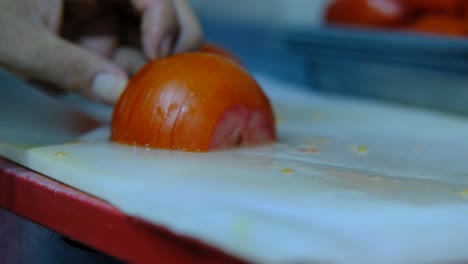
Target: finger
{"points": [[103, 45], [159, 26], [50, 12], [45, 57], [129, 59], [190, 34]]}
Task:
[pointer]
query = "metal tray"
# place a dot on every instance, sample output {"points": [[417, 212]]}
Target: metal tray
{"points": [[416, 69]]}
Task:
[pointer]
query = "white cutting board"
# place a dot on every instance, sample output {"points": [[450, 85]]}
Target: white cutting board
{"points": [[349, 181]]}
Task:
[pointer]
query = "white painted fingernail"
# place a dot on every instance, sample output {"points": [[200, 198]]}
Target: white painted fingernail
{"points": [[165, 47], [108, 87]]}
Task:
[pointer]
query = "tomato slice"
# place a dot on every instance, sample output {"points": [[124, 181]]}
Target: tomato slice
{"points": [[439, 24], [194, 102], [374, 13]]}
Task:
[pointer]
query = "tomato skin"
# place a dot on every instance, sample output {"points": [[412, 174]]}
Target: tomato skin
{"points": [[374, 13], [179, 103], [441, 17], [439, 24], [439, 6], [218, 50]]}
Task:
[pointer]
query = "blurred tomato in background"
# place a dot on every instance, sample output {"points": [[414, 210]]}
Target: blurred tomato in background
{"points": [[441, 17], [377, 13]]}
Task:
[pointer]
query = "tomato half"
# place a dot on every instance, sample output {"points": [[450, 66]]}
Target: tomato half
{"points": [[218, 50], [375, 13], [194, 102]]}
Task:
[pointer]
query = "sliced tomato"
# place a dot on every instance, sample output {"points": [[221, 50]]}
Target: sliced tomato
{"points": [[374, 13], [439, 24], [195, 102]]}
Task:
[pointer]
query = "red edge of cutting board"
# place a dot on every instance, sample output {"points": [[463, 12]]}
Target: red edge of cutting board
{"points": [[96, 223]]}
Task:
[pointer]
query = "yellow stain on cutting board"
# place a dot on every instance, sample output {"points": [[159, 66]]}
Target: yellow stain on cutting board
{"points": [[61, 154], [464, 194], [287, 170], [360, 149]]}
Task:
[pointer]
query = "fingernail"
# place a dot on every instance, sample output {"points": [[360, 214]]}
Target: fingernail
{"points": [[165, 47], [108, 87]]}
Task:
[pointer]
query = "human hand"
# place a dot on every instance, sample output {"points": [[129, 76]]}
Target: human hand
{"points": [[91, 47]]}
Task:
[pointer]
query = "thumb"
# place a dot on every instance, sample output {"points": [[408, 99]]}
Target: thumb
{"points": [[46, 57]]}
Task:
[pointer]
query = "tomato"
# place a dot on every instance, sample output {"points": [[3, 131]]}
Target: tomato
{"points": [[464, 11], [194, 102], [218, 50], [439, 24], [445, 6], [375, 13]]}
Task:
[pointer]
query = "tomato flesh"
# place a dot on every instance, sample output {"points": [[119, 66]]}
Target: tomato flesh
{"points": [[240, 126]]}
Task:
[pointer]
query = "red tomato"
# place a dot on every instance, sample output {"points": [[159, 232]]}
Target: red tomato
{"points": [[464, 8], [216, 49], [446, 6], [463, 3], [376, 13], [194, 102], [439, 24]]}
